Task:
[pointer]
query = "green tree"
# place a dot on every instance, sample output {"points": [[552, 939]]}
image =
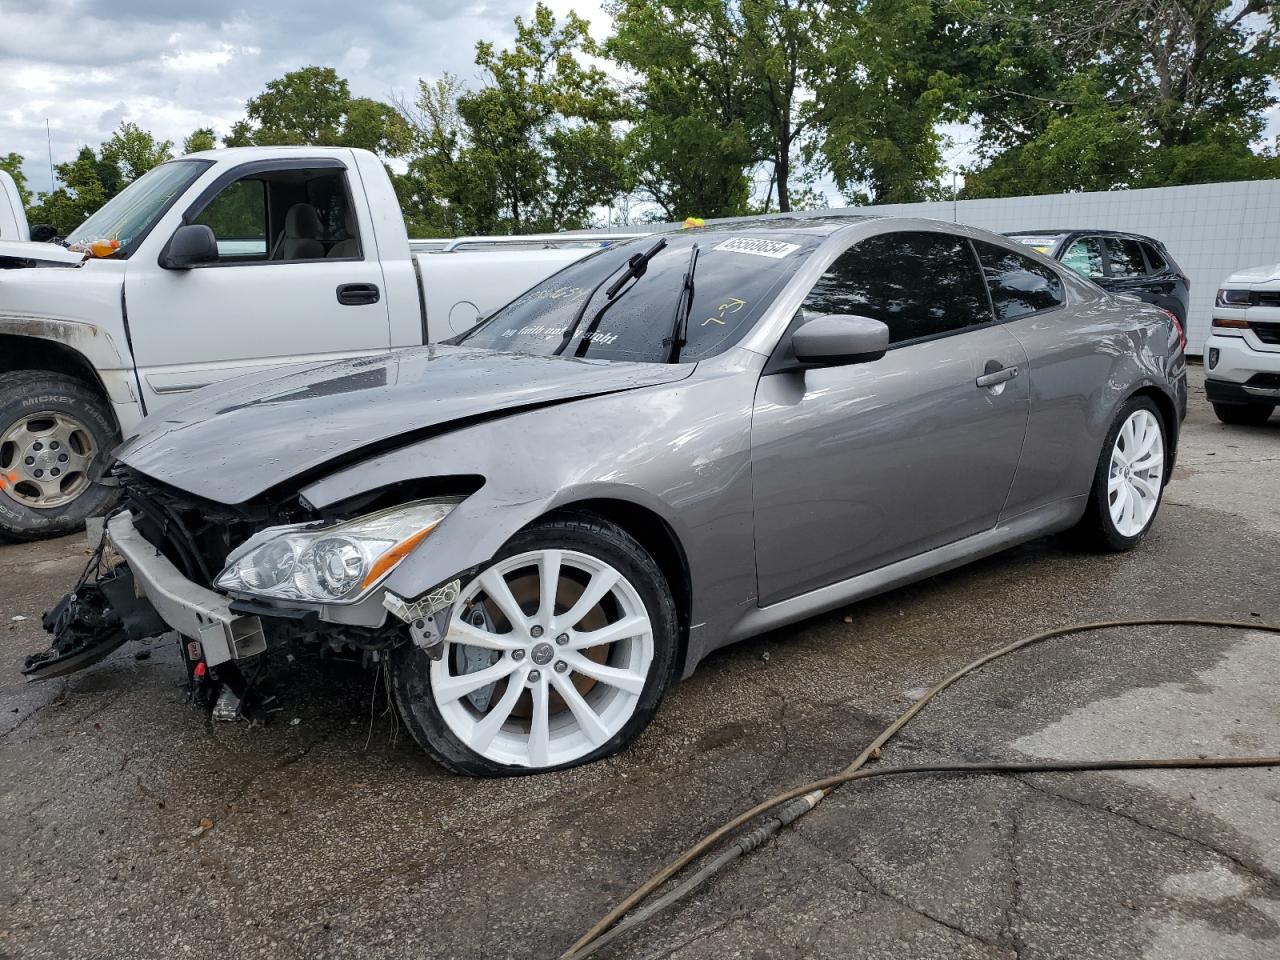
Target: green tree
{"points": [[200, 139], [133, 151], [892, 72], [533, 148], [314, 106], [11, 163], [82, 192], [720, 89], [1146, 92]]}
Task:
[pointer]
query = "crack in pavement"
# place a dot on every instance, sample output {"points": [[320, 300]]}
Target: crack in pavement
{"points": [[1258, 872]]}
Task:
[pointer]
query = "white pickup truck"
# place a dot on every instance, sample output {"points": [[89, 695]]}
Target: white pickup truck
{"points": [[13, 219], [210, 266]]}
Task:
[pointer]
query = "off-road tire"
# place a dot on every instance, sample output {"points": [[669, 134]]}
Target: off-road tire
{"points": [[1096, 530], [586, 533], [30, 391], [1243, 414]]}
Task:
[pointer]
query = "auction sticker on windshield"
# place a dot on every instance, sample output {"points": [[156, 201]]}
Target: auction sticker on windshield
{"points": [[773, 249]]}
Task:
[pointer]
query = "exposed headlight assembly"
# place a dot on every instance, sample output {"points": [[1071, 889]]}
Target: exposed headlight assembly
{"points": [[339, 563]]}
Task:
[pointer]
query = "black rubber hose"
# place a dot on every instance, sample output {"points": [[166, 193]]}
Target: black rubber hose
{"points": [[800, 805], [590, 941]]}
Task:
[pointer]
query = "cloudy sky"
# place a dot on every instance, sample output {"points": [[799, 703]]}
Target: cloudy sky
{"points": [[171, 67]]}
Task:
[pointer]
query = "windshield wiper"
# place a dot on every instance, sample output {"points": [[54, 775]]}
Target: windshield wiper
{"points": [[684, 306], [636, 267]]}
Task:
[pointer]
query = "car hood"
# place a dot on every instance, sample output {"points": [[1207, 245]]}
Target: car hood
{"points": [[1256, 274], [39, 254], [231, 442]]}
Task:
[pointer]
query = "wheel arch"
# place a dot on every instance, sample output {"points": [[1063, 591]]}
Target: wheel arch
{"points": [[19, 352], [1168, 411], [660, 540]]}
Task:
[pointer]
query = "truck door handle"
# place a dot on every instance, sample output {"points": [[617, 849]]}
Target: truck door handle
{"points": [[996, 377], [358, 294]]}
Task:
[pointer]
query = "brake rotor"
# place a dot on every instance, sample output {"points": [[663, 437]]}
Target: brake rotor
{"points": [[525, 589]]}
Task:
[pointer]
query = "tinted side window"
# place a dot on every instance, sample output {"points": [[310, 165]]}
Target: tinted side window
{"points": [[1157, 262], [1126, 258], [1018, 284], [919, 284], [1084, 256]]}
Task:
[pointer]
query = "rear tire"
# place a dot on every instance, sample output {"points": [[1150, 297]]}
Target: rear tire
{"points": [[1243, 414], [553, 699], [65, 428], [1128, 482]]}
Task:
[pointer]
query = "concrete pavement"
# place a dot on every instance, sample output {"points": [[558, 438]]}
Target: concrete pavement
{"points": [[332, 836]]}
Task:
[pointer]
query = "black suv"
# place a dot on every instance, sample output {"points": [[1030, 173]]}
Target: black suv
{"points": [[1119, 262]]}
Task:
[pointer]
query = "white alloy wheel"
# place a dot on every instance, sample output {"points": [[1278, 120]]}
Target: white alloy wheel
{"points": [[1136, 475], [543, 688]]}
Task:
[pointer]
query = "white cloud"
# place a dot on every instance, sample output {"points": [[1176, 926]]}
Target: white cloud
{"points": [[86, 66]]}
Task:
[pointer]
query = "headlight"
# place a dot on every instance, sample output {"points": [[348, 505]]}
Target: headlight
{"points": [[1234, 298], [339, 563]]}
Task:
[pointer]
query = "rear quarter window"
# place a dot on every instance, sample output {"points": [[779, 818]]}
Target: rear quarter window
{"points": [[1018, 285]]}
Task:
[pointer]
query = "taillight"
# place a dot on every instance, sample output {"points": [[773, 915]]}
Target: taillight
{"points": [[1182, 334]]}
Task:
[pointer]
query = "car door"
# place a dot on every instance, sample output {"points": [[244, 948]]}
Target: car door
{"points": [[297, 279], [855, 467]]}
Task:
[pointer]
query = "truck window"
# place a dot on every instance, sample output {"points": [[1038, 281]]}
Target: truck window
{"points": [[238, 218], [284, 215]]}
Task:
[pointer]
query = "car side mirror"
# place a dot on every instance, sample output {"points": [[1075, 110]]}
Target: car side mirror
{"points": [[191, 245], [838, 339]]}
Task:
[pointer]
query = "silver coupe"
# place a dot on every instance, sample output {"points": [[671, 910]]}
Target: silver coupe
{"points": [[671, 445]]}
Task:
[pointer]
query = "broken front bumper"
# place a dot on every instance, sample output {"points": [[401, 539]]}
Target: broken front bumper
{"points": [[194, 611]]}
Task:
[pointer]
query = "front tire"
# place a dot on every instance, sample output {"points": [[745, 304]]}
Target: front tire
{"points": [[1128, 482], [54, 430], [558, 654], [1243, 414]]}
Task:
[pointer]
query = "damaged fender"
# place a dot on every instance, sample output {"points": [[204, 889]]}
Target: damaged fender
{"points": [[703, 427]]}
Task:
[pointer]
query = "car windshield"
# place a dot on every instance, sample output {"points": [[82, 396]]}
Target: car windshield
{"points": [[133, 211], [737, 277]]}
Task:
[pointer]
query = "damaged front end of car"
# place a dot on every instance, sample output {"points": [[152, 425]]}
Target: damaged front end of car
{"points": [[235, 581]]}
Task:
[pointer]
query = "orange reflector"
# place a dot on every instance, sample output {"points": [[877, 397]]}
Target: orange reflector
{"points": [[394, 556], [1230, 322]]}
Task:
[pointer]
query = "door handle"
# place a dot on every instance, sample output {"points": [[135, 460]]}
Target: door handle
{"points": [[996, 377], [358, 294]]}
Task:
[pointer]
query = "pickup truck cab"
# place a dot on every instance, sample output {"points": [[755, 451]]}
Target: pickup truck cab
{"points": [[207, 267], [13, 218]]}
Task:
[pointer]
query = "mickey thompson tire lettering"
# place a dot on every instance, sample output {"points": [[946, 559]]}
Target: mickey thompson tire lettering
{"points": [[22, 396]]}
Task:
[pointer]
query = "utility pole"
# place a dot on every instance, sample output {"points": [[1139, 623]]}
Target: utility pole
{"points": [[955, 212]]}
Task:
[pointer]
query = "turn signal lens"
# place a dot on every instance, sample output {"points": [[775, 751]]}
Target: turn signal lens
{"points": [[1231, 322]]}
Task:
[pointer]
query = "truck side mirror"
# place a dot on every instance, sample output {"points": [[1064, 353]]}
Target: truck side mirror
{"points": [[191, 245]]}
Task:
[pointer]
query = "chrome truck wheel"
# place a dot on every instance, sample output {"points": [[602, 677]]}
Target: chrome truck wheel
{"points": [[1129, 479], [556, 654], [45, 458], [53, 429]]}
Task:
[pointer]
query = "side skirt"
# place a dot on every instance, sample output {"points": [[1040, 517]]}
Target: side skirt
{"points": [[1040, 522]]}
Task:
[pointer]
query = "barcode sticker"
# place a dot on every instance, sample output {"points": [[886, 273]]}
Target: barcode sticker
{"points": [[757, 247]]}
